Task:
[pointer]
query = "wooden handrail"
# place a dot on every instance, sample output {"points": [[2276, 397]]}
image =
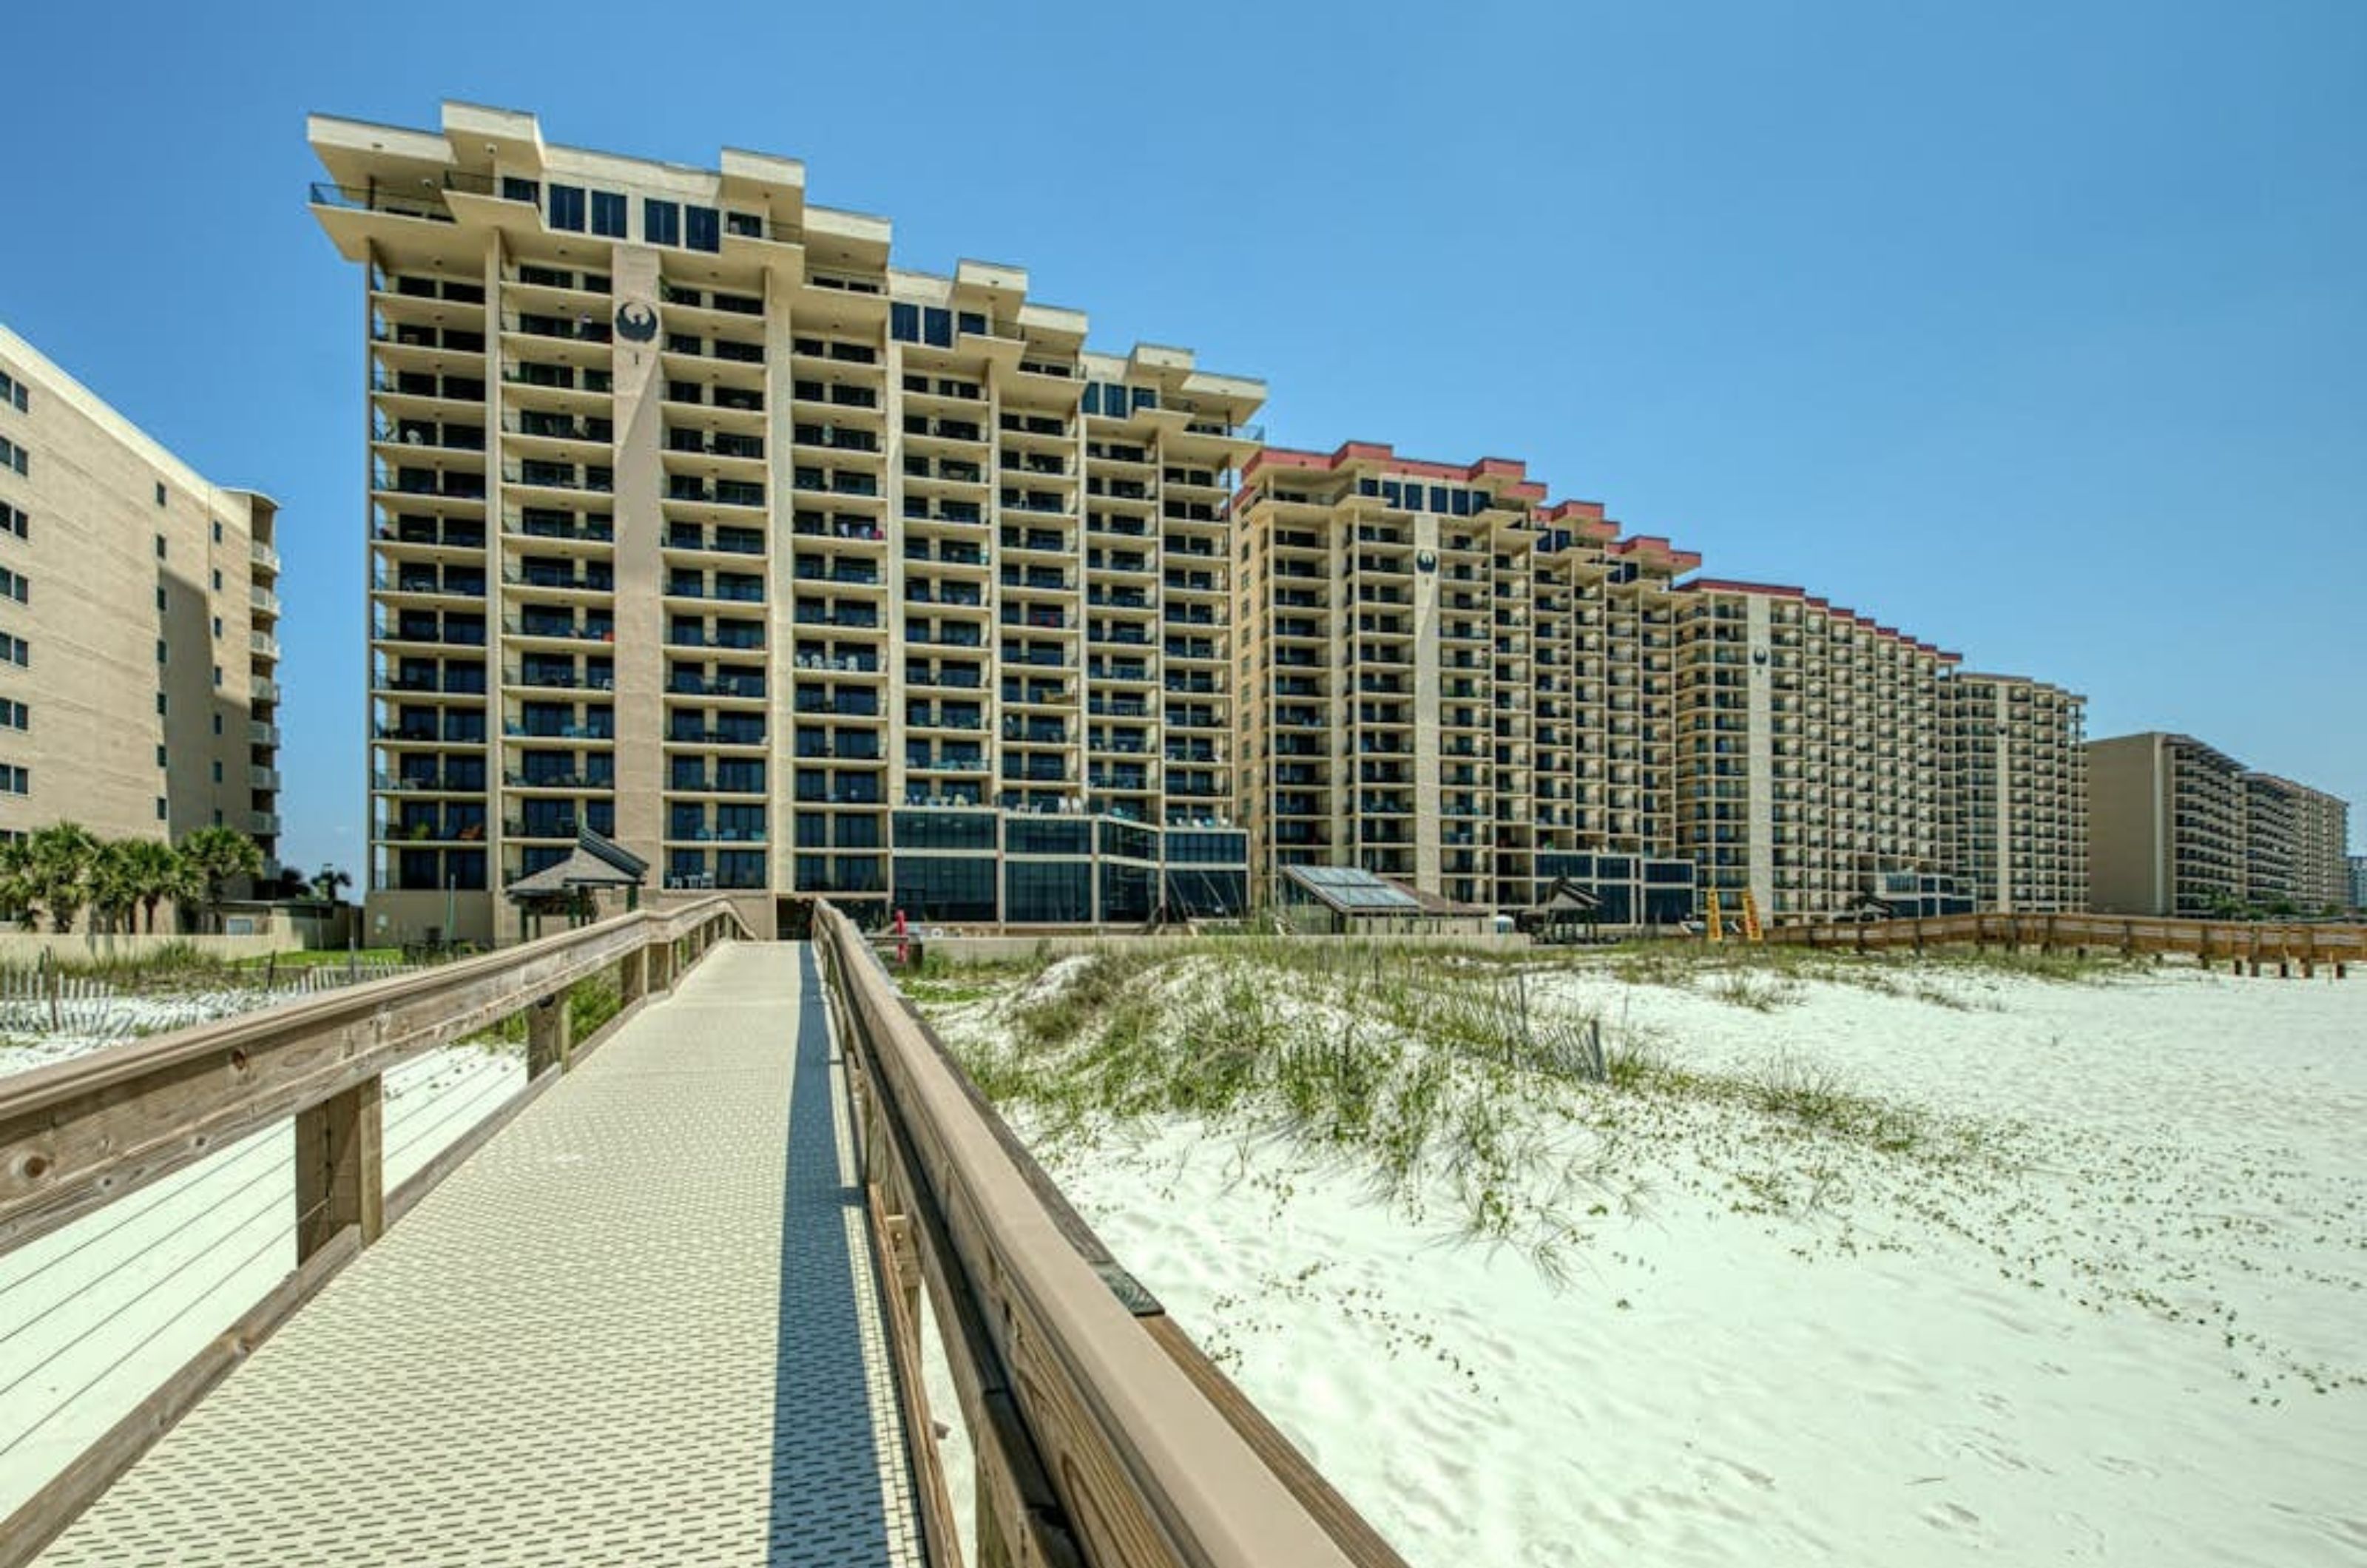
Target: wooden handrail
{"points": [[1101, 1439], [76, 1136], [2248, 941]]}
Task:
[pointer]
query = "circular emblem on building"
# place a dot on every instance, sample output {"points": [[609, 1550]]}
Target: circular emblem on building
{"points": [[1427, 560], [637, 322], [1758, 656]]}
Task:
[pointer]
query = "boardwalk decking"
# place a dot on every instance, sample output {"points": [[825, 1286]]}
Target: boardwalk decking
{"points": [[639, 1326]]}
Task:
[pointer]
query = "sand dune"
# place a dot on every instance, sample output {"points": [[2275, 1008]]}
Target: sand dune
{"points": [[2110, 1306]]}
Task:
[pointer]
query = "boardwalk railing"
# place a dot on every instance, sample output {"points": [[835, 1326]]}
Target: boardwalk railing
{"points": [[2240, 942], [1102, 1436], [80, 1135]]}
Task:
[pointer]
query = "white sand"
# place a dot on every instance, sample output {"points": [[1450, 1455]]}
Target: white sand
{"points": [[95, 1315], [2125, 1324]]}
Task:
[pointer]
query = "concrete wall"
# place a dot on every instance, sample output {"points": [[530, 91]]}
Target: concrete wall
{"points": [[20, 949], [2125, 848]]}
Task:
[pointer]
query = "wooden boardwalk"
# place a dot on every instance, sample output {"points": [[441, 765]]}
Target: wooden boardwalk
{"points": [[640, 1326]]}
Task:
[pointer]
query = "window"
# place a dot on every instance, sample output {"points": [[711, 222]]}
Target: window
{"points": [[15, 715], [160, 757], [14, 586], [160, 809], [12, 391], [160, 650], [904, 322], [217, 627], [661, 221], [160, 546], [217, 579], [12, 520], [12, 455], [216, 676], [217, 778], [516, 189], [567, 208], [160, 598], [217, 724], [217, 530], [161, 705], [705, 229], [14, 780], [608, 214], [160, 492], [15, 650], [747, 223]]}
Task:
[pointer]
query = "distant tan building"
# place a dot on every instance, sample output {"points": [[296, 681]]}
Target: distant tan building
{"points": [[2295, 844], [2179, 828], [2014, 786], [139, 603]]}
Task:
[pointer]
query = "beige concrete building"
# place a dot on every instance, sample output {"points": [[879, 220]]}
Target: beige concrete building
{"points": [[2015, 792], [2295, 844], [2166, 832], [1810, 739], [698, 524], [138, 607]]}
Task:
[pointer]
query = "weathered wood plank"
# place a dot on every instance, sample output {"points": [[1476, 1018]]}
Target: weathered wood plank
{"points": [[77, 1135], [341, 1167]]}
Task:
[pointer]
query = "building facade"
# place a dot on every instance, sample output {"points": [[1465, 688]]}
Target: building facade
{"points": [[2359, 885], [138, 613], [696, 523], [2015, 792], [2183, 828]]}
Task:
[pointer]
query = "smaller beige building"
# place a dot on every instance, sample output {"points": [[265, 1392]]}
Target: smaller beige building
{"points": [[2180, 828], [138, 613]]}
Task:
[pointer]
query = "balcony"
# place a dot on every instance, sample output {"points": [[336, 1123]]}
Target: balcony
{"points": [[263, 556]]}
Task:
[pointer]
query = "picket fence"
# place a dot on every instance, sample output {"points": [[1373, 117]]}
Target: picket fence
{"points": [[47, 1003]]}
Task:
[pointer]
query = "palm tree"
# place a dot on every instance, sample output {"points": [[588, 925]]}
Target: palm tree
{"points": [[157, 873], [64, 855], [113, 886], [326, 885], [16, 883], [215, 855]]}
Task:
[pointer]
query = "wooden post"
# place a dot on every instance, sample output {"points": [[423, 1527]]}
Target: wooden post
{"points": [[549, 1035], [340, 1168]]}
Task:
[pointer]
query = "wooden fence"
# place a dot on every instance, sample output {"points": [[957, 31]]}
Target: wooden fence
{"points": [[1102, 1434], [78, 1136], [50, 1002], [2246, 945]]}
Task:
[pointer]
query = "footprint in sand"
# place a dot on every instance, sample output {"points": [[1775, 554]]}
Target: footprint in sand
{"points": [[1954, 1518], [1976, 1442], [2120, 1466]]}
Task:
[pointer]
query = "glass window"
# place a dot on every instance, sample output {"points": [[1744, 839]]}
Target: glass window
{"points": [[1047, 836], [748, 223], [946, 830], [938, 327], [1048, 892], [516, 189], [608, 213], [706, 231], [1127, 891], [933, 888], [661, 222], [904, 322], [972, 322], [567, 208]]}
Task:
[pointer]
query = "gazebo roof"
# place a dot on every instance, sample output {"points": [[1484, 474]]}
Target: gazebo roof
{"points": [[596, 861], [1566, 898]]}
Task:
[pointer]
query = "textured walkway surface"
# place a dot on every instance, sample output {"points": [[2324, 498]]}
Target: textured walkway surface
{"points": [[638, 1327]]}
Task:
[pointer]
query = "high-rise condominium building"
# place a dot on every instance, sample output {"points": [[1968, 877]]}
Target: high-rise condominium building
{"points": [[2295, 840], [2359, 883], [2013, 790], [696, 523], [139, 606], [2180, 828]]}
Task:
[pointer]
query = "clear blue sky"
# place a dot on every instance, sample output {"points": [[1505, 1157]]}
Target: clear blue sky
{"points": [[2040, 332]]}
